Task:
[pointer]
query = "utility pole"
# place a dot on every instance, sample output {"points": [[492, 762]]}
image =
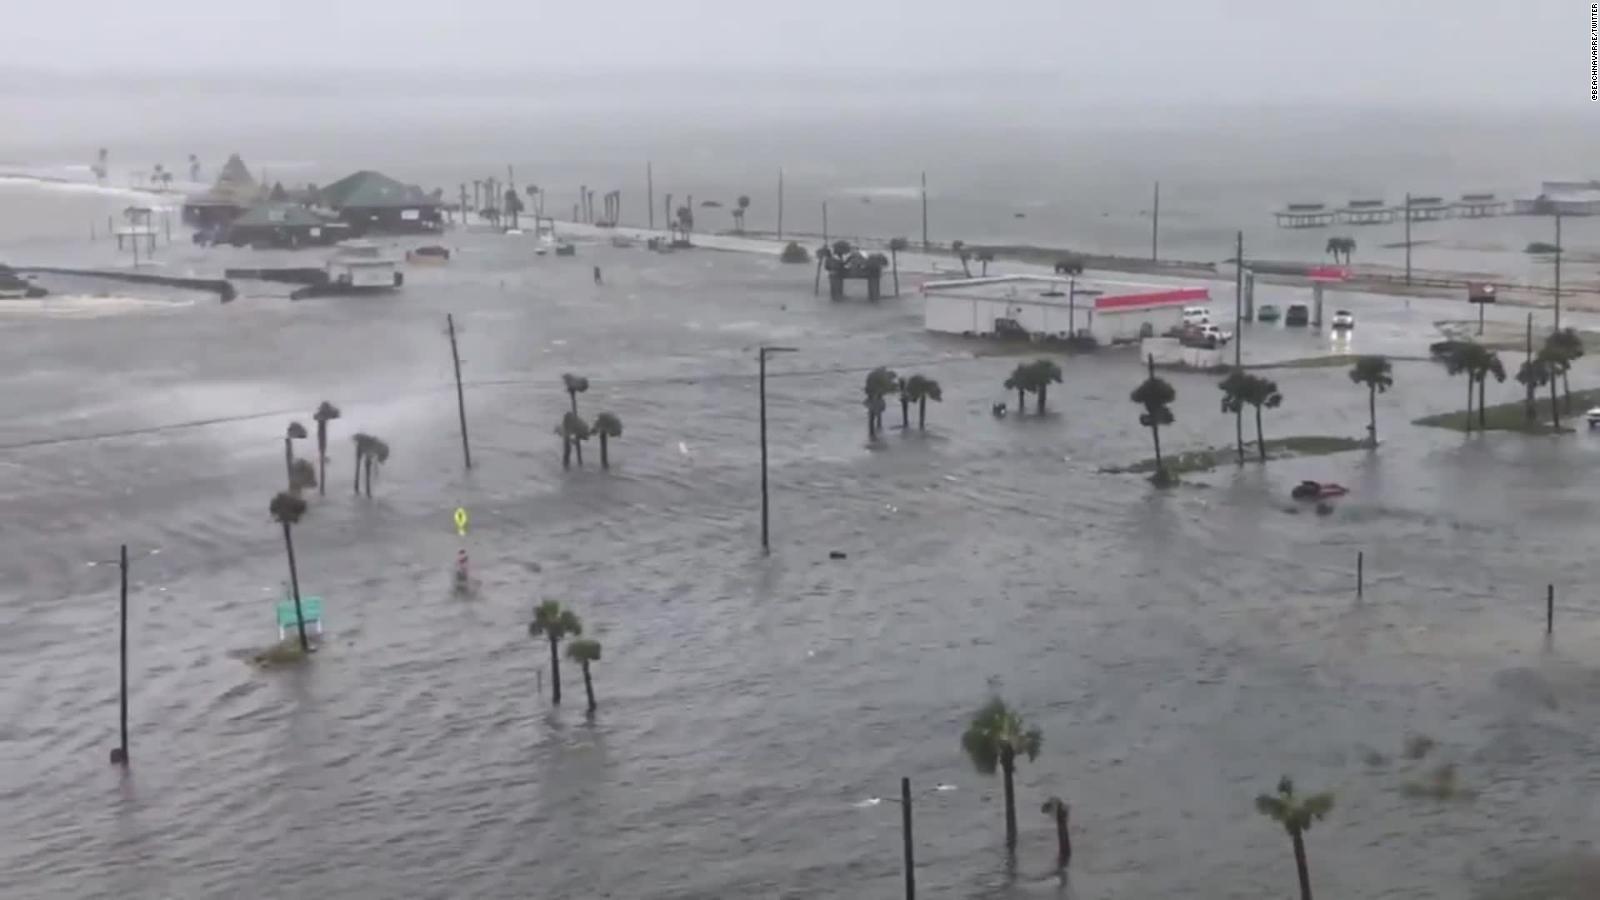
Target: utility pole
{"points": [[1408, 238], [924, 211], [905, 835], [766, 546], [1155, 222], [650, 188], [1238, 300], [780, 203], [461, 399], [824, 223], [511, 188], [1559, 251], [121, 754]]}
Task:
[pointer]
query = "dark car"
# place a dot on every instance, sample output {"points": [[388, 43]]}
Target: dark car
{"points": [[1298, 316]]}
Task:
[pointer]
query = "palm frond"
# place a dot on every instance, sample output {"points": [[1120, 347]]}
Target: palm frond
{"points": [[287, 507]]}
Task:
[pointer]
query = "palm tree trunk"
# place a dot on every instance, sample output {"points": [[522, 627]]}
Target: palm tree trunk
{"points": [[1022, 402], [322, 459], [1372, 414], [1300, 866], [288, 463], [1155, 435], [1238, 432], [1566, 392], [894, 262], [905, 412], [872, 426], [1483, 414], [922, 413], [1007, 766], [555, 674], [577, 450], [1469, 404], [566, 452], [1261, 442], [816, 285], [1043, 389], [369, 477], [1555, 413], [294, 587], [1063, 840], [588, 686], [573, 395], [605, 459], [358, 473]]}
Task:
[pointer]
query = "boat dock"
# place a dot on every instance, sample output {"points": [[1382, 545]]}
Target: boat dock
{"points": [[1377, 212]]}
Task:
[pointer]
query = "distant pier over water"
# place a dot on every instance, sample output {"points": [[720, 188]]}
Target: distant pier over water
{"points": [[1377, 212]]}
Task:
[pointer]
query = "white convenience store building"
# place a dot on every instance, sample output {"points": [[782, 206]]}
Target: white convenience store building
{"points": [[1048, 306]]}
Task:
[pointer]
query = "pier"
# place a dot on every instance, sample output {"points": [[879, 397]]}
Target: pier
{"points": [[1376, 212], [1306, 215]]}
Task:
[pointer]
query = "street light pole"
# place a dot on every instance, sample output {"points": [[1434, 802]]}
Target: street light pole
{"points": [[119, 753], [766, 546], [1558, 271]]}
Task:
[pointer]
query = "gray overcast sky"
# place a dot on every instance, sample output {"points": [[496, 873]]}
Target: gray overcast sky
{"points": [[1400, 51]]}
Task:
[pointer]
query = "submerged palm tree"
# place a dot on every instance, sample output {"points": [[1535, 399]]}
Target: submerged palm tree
{"points": [[326, 412], [573, 430], [1233, 388], [1296, 814], [1566, 345], [959, 248], [302, 475], [1156, 396], [1481, 362], [739, 210], [1261, 392], [1534, 373], [994, 738], [1021, 381], [293, 433], [1058, 809], [919, 389], [1044, 372], [554, 624], [583, 652], [286, 509], [370, 453], [880, 383], [984, 258], [896, 246], [574, 385], [606, 425], [1378, 375], [1344, 246], [1458, 362], [1555, 364]]}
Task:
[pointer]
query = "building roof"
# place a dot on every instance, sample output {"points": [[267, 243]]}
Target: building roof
{"points": [[234, 187], [281, 215], [368, 189]]}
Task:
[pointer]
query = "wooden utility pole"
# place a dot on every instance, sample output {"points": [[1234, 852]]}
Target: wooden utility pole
{"points": [[780, 203], [1155, 222], [120, 755], [1559, 251], [1238, 299], [461, 397], [650, 188], [924, 211]]}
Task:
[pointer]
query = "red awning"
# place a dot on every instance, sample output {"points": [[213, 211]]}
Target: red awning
{"points": [[1157, 298]]}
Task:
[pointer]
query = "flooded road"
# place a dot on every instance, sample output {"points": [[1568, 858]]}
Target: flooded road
{"points": [[1179, 650]]}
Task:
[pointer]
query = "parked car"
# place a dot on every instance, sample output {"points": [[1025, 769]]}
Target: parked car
{"points": [[1208, 336], [1298, 316], [1196, 315], [1216, 334], [1268, 313], [1343, 319]]}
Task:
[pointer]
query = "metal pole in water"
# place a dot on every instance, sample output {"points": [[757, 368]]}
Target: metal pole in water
{"points": [[766, 546], [1558, 272], [461, 400], [780, 203], [1361, 564], [1155, 222], [121, 754], [1408, 238], [1549, 609], [1238, 300], [924, 210], [905, 833]]}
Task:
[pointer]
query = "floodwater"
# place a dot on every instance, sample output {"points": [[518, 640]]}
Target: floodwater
{"points": [[1179, 650]]}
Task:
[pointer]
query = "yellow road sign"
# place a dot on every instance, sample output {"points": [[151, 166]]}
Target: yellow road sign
{"points": [[461, 521]]}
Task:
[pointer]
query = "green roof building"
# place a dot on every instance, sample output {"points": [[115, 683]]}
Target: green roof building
{"points": [[372, 201]]}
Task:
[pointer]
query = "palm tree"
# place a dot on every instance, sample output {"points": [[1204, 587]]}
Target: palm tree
{"points": [[1021, 381], [1458, 362], [905, 404], [572, 431], [1261, 392], [286, 509], [896, 245], [985, 257], [194, 167], [553, 623], [293, 433], [325, 413], [1378, 375], [377, 454], [685, 221], [1057, 809], [959, 248], [994, 738], [606, 425], [1534, 373], [363, 444], [302, 475], [919, 389], [583, 652], [574, 385], [1481, 363], [1233, 388], [739, 209], [1156, 396], [1296, 814], [880, 383], [1555, 364], [1568, 343], [1044, 372]]}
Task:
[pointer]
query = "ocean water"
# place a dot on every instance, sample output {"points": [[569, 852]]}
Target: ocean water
{"points": [[1179, 650]]}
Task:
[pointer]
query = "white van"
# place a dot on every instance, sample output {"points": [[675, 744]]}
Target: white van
{"points": [[1196, 315]]}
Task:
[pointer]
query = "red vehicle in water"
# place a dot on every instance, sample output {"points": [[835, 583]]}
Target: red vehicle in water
{"points": [[1317, 490]]}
